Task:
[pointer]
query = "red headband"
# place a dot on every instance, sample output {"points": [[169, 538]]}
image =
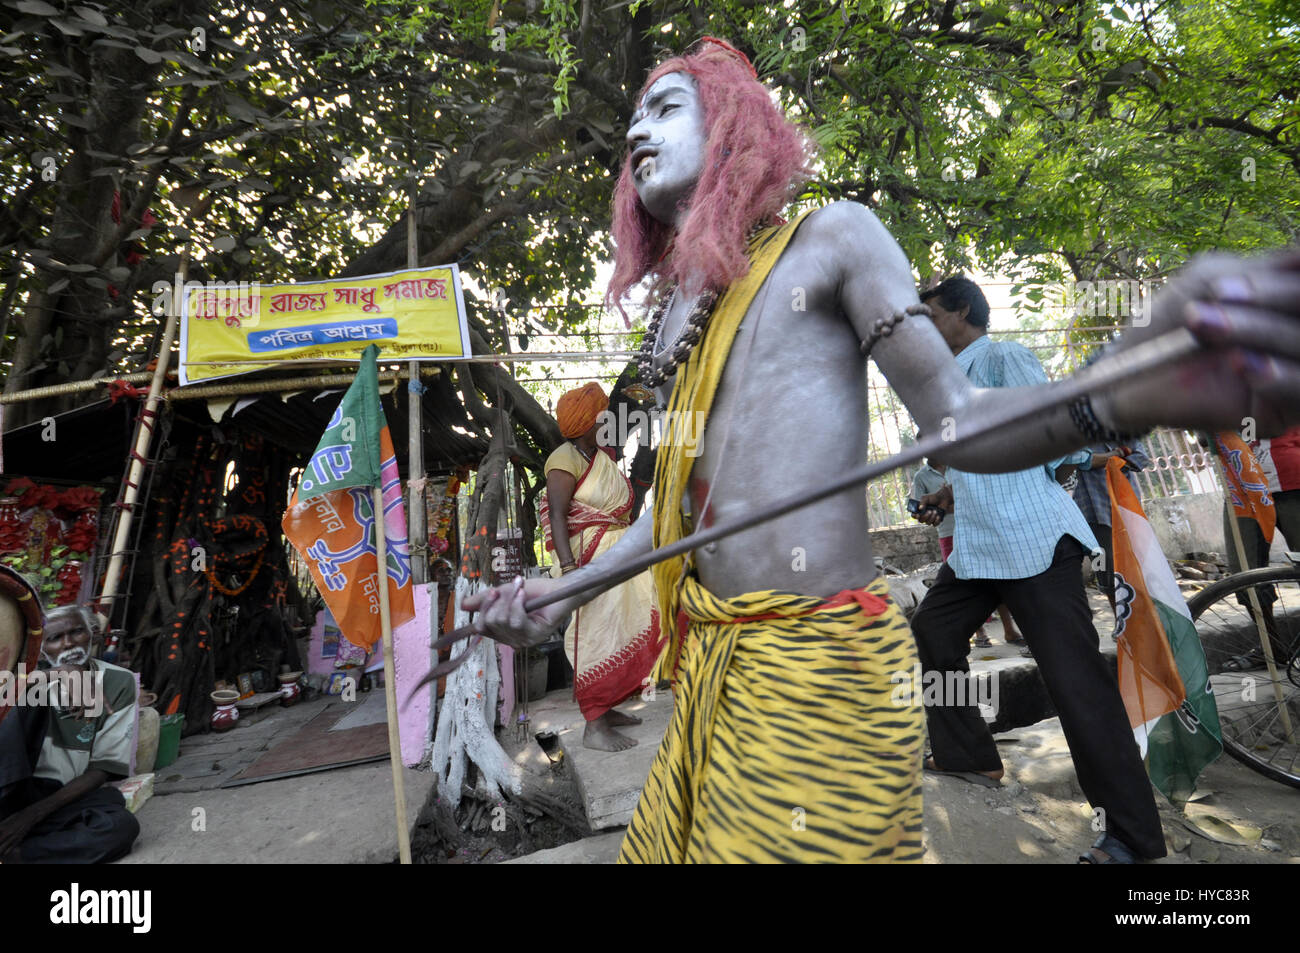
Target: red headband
{"points": [[731, 49]]}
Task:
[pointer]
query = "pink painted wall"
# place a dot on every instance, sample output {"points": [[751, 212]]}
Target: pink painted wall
{"points": [[412, 657]]}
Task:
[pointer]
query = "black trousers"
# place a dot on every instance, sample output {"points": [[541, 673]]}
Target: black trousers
{"points": [[1053, 613], [94, 829]]}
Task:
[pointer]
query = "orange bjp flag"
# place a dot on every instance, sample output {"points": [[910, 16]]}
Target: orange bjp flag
{"points": [[1247, 485], [331, 517]]}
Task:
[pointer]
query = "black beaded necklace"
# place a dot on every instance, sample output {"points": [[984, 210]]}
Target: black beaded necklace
{"points": [[685, 344], [689, 337]]}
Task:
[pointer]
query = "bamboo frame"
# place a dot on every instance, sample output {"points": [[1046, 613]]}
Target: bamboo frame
{"points": [[312, 382], [449, 359], [197, 391], [72, 387]]}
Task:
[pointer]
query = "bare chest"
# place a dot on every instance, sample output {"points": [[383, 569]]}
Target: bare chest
{"points": [[792, 371]]}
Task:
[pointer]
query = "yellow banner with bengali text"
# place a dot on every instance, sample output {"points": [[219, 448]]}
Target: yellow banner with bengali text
{"points": [[230, 328]]}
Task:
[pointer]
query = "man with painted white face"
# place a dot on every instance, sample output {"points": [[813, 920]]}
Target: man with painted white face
{"points": [[55, 807], [786, 744]]}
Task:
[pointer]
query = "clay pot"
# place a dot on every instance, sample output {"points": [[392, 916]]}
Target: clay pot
{"points": [[290, 690], [226, 715]]}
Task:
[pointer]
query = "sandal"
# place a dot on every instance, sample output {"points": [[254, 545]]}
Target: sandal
{"points": [[1253, 661], [974, 777], [982, 641], [1108, 850]]}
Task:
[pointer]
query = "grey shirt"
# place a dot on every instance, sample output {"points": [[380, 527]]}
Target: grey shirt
{"points": [[930, 480]]}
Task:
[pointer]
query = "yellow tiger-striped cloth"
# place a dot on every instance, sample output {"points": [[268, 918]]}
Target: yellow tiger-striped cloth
{"points": [[785, 743]]}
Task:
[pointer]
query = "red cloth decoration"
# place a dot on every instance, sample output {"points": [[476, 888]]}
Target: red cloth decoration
{"points": [[119, 389]]}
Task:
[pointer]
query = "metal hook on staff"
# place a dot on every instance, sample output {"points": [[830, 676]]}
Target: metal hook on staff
{"points": [[1142, 358]]}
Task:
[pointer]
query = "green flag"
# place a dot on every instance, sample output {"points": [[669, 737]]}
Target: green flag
{"points": [[349, 452], [332, 516]]}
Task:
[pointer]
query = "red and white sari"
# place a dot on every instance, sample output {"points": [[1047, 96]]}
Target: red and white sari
{"points": [[614, 640]]}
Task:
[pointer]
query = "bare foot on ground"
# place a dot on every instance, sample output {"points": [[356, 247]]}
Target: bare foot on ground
{"points": [[600, 735]]}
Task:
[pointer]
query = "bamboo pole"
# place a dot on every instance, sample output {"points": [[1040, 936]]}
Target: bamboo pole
{"points": [[140, 449], [197, 391], [417, 534], [390, 678], [450, 358], [313, 382], [72, 387], [1256, 612]]}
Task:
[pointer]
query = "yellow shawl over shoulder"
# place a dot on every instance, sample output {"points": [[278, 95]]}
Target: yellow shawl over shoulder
{"points": [[697, 382]]}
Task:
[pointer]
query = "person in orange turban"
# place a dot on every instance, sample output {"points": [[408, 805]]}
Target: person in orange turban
{"points": [[613, 641], [578, 409]]}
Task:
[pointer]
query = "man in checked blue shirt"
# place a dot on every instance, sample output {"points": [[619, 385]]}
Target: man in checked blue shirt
{"points": [[1020, 539], [1092, 496]]}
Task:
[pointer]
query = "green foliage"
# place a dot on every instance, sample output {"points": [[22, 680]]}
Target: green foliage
{"points": [[1088, 140]]}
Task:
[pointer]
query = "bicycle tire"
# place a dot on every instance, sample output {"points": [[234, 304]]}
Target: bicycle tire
{"points": [[1224, 589]]}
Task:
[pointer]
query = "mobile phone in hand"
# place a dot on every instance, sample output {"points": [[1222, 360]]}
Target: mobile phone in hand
{"points": [[916, 509]]}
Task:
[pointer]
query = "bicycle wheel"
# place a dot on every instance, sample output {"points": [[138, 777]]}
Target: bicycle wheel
{"points": [[1254, 729]]}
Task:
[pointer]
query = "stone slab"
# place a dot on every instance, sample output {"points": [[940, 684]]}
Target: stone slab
{"points": [[610, 782], [600, 849]]}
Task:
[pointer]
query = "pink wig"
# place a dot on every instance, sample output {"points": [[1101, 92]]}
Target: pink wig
{"points": [[755, 161]]}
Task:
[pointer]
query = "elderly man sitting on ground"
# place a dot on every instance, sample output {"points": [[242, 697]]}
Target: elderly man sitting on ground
{"points": [[59, 749]]}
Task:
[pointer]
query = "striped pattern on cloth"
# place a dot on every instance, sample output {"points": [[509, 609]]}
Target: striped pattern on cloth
{"points": [[786, 744]]}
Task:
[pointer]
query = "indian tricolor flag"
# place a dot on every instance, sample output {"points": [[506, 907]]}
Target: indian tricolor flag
{"points": [[1163, 677]]}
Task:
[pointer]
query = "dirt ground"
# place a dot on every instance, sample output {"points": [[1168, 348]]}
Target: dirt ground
{"points": [[1039, 815], [488, 831]]}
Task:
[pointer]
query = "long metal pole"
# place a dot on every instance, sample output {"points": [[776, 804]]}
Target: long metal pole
{"points": [[1256, 612], [1143, 358]]}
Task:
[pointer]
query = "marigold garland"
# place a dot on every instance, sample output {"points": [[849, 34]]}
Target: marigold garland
{"points": [[216, 583]]}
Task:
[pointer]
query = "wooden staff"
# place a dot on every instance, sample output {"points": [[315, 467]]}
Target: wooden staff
{"points": [[418, 533], [1255, 611], [390, 678], [1143, 358]]}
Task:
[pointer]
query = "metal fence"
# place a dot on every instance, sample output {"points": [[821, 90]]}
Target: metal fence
{"points": [[1179, 465]]}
